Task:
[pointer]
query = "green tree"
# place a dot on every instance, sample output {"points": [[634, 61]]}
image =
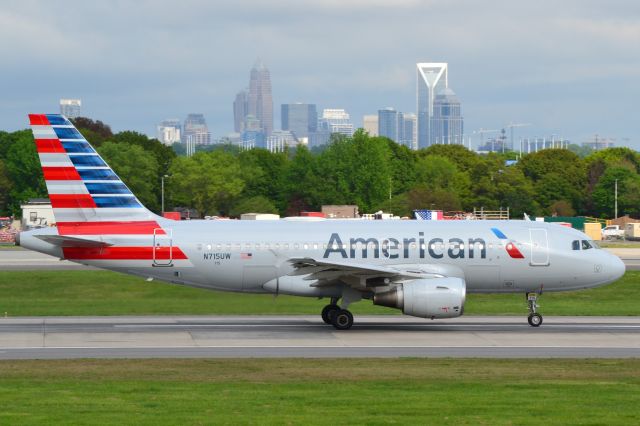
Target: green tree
{"points": [[557, 175], [302, 181], [257, 204], [163, 154], [208, 182], [24, 170], [628, 195], [137, 168], [5, 189]]}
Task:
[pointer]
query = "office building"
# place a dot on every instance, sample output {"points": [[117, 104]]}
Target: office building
{"points": [[388, 123], [431, 78], [370, 124], [300, 119], [260, 101], [408, 130], [70, 108], [278, 140], [446, 125], [169, 131], [240, 110], [195, 130], [336, 121]]}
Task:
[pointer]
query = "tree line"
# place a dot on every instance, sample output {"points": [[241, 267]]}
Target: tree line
{"points": [[374, 173]]}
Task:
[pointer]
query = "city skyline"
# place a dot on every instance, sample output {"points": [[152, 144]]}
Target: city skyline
{"points": [[571, 73]]}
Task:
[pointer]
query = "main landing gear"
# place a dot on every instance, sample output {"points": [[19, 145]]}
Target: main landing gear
{"points": [[333, 314], [535, 319]]}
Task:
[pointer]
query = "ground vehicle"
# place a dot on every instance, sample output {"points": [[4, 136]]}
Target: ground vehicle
{"points": [[612, 232]]}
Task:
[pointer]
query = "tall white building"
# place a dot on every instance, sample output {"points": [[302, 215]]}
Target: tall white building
{"points": [[70, 108], [431, 78], [336, 121], [370, 124], [169, 131]]}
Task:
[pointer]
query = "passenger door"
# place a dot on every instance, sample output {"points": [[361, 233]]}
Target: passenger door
{"points": [[162, 247], [539, 247]]}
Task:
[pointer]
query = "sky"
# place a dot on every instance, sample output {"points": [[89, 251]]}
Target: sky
{"points": [[571, 68]]}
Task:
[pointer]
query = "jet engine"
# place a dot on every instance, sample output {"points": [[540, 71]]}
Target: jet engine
{"points": [[426, 298]]}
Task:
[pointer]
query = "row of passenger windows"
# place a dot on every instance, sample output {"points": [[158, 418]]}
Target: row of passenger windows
{"points": [[317, 246], [584, 245]]}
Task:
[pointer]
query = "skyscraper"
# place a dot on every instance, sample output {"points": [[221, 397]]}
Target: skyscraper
{"points": [[446, 125], [370, 124], [260, 101], [195, 130], [300, 119], [70, 107], [240, 110], [431, 78], [409, 136], [169, 131], [336, 121], [388, 123]]}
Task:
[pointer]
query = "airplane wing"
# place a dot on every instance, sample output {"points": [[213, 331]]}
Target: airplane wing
{"points": [[354, 274]]}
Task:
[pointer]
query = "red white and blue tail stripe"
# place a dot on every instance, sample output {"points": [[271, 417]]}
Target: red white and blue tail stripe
{"points": [[91, 201]]}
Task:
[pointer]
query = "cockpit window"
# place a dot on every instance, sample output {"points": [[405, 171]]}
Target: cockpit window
{"points": [[586, 245], [575, 245]]}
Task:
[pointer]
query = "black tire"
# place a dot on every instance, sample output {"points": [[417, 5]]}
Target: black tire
{"points": [[535, 320], [328, 312], [342, 320]]}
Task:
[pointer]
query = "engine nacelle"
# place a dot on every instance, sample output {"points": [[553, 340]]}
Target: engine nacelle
{"points": [[427, 298]]}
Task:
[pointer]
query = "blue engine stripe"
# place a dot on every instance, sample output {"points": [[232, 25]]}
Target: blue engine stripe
{"points": [[107, 188], [87, 160], [67, 133], [97, 174], [116, 202], [499, 233]]}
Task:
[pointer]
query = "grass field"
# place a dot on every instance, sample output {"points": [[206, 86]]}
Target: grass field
{"points": [[345, 391], [107, 293]]}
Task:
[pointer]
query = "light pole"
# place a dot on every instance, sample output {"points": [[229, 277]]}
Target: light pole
{"points": [[616, 200], [162, 194]]}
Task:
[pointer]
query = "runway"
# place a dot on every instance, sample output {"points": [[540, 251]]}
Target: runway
{"points": [[308, 337], [20, 259]]}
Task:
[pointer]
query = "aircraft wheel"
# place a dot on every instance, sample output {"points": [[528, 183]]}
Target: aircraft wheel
{"points": [[535, 320], [328, 312], [342, 320]]}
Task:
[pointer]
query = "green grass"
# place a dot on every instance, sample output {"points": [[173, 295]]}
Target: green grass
{"points": [[45, 293], [323, 392]]}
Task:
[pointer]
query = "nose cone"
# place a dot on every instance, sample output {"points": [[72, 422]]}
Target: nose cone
{"points": [[616, 268]]}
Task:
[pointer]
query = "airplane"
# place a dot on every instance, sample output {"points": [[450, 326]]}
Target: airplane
{"points": [[423, 268]]}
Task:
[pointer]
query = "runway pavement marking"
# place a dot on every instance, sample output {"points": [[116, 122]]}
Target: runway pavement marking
{"points": [[18, 348], [585, 326]]}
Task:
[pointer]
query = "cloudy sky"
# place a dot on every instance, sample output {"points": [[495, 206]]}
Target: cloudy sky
{"points": [[571, 68]]}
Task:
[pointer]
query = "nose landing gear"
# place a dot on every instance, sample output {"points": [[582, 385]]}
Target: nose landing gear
{"points": [[535, 319]]}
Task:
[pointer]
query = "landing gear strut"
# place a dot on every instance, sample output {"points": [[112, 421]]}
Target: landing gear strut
{"points": [[535, 319]]}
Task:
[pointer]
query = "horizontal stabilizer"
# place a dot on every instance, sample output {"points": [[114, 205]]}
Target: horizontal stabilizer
{"points": [[65, 241]]}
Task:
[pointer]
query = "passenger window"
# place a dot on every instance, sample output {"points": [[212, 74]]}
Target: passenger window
{"points": [[586, 245], [575, 245]]}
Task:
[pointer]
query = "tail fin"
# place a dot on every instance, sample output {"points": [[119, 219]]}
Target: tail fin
{"points": [[87, 197]]}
